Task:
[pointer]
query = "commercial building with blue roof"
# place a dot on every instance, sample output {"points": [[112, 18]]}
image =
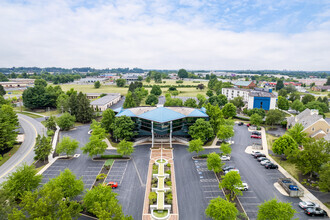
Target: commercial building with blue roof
{"points": [[163, 121]]}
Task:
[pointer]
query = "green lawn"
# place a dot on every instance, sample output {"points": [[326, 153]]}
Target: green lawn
{"points": [[29, 114], [40, 168], [11, 152], [327, 114]]}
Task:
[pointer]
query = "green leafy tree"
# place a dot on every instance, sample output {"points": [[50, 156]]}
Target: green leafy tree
{"points": [[156, 90], [225, 148], [279, 85], [96, 145], [283, 103], [3, 78], [190, 103], [214, 162], [201, 100], [42, 148], [195, 146], [2, 91], [51, 123], [222, 100], [324, 182], [129, 101], [274, 210], [283, 92], [84, 112], [24, 179], [285, 145], [209, 93], [97, 84], [7, 203], [256, 119], [125, 147], [321, 106], [232, 181], [67, 146], [120, 82], [169, 101], [294, 96], [229, 110], [216, 117], [201, 129], [123, 128], [220, 209], [307, 98], [102, 202], [182, 73], [148, 79], [298, 106], [108, 118], [152, 100], [258, 111], [298, 134], [274, 116], [225, 132], [238, 102], [8, 125], [66, 121]]}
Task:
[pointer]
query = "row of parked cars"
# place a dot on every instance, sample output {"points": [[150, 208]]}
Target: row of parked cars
{"points": [[264, 161], [312, 209], [228, 169]]}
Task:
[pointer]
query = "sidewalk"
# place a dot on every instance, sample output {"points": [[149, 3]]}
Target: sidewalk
{"points": [[308, 196]]}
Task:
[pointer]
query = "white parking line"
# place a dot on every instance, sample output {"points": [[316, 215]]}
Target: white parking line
{"points": [[212, 191], [247, 197]]}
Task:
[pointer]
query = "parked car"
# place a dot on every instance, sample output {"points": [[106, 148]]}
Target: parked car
{"points": [[316, 211], [255, 152], [262, 158], [271, 166], [240, 123], [225, 157], [259, 155], [234, 170], [248, 125], [228, 168], [244, 187], [112, 184], [307, 204], [264, 162], [256, 133], [293, 187], [256, 136]]}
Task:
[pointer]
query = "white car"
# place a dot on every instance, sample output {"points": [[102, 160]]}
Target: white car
{"points": [[236, 170], [225, 157], [263, 162], [308, 204], [245, 187]]}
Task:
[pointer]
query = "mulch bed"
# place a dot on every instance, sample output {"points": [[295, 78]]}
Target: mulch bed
{"points": [[40, 163], [310, 180]]}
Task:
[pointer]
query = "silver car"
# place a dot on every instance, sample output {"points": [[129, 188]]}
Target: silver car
{"points": [[307, 204]]}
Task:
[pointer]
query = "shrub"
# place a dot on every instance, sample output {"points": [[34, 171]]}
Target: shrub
{"points": [[168, 171], [50, 133], [179, 81], [154, 180], [169, 183], [112, 157], [167, 179], [168, 198], [101, 176], [154, 185], [168, 165], [152, 197], [196, 81], [1, 158]]}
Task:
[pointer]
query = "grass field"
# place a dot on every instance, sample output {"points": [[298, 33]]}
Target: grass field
{"points": [[187, 92], [29, 114], [11, 152]]}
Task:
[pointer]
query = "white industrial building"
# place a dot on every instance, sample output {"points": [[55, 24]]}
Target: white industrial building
{"points": [[232, 93], [105, 102]]}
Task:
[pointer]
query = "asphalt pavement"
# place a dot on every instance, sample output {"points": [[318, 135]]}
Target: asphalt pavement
{"points": [[25, 153]]}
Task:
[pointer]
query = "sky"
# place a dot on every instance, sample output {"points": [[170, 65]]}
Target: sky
{"points": [[166, 34]]}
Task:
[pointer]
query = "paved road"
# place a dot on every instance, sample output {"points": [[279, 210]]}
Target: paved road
{"points": [[25, 153]]}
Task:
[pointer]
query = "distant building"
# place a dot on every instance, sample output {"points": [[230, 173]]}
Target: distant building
{"points": [[105, 102], [314, 124], [245, 84], [232, 93], [321, 88], [91, 80], [318, 82], [18, 83]]}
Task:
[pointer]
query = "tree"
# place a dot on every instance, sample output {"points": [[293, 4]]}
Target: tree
{"points": [[285, 145], [258, 111], [169, 101], [283, 92], [67, 146], [51, 123], [294, 96], [8, 125], [96, 145], [298, 134], [232, 181], [225, 132], [238, 102], [140, 78], [97, 84], [298, 105], [283, 103], [148, 79], [201, 129], [307, 98], [182, 73], [321, 106], [129, 101], [229, 110], [156, 90], [313, 156], [152, 99], [216, 117], [123, 128], [328, 82], [273, 210], [108, 118], [324, 182], [225, 148], [222, 100], [120, 82], [24, 179], [195, 146], [66, 121], [125, 147], [220, 209], [3, 78], [190, 103], [84, 112], [102, 202], [200, 86], [63, 103], [209, 93], [42, 148], [274, 116], [279, 85], [256, 119], [201, 100], [2, 91], [214, 162]]}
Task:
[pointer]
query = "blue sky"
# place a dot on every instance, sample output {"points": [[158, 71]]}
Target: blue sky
{"points": [[192, 34]]}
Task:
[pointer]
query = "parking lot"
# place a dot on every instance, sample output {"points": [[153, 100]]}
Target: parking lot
{"points": [[117, 172]]}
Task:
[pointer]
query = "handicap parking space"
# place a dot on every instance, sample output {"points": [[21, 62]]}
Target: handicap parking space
{"points": [[117, 172]]}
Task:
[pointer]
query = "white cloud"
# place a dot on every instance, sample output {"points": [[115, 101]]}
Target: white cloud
{"points": [[124, 35]]}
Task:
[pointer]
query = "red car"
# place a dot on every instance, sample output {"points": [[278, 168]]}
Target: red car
{"points": [[248, 125], [255, 136], [112, 184]]}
